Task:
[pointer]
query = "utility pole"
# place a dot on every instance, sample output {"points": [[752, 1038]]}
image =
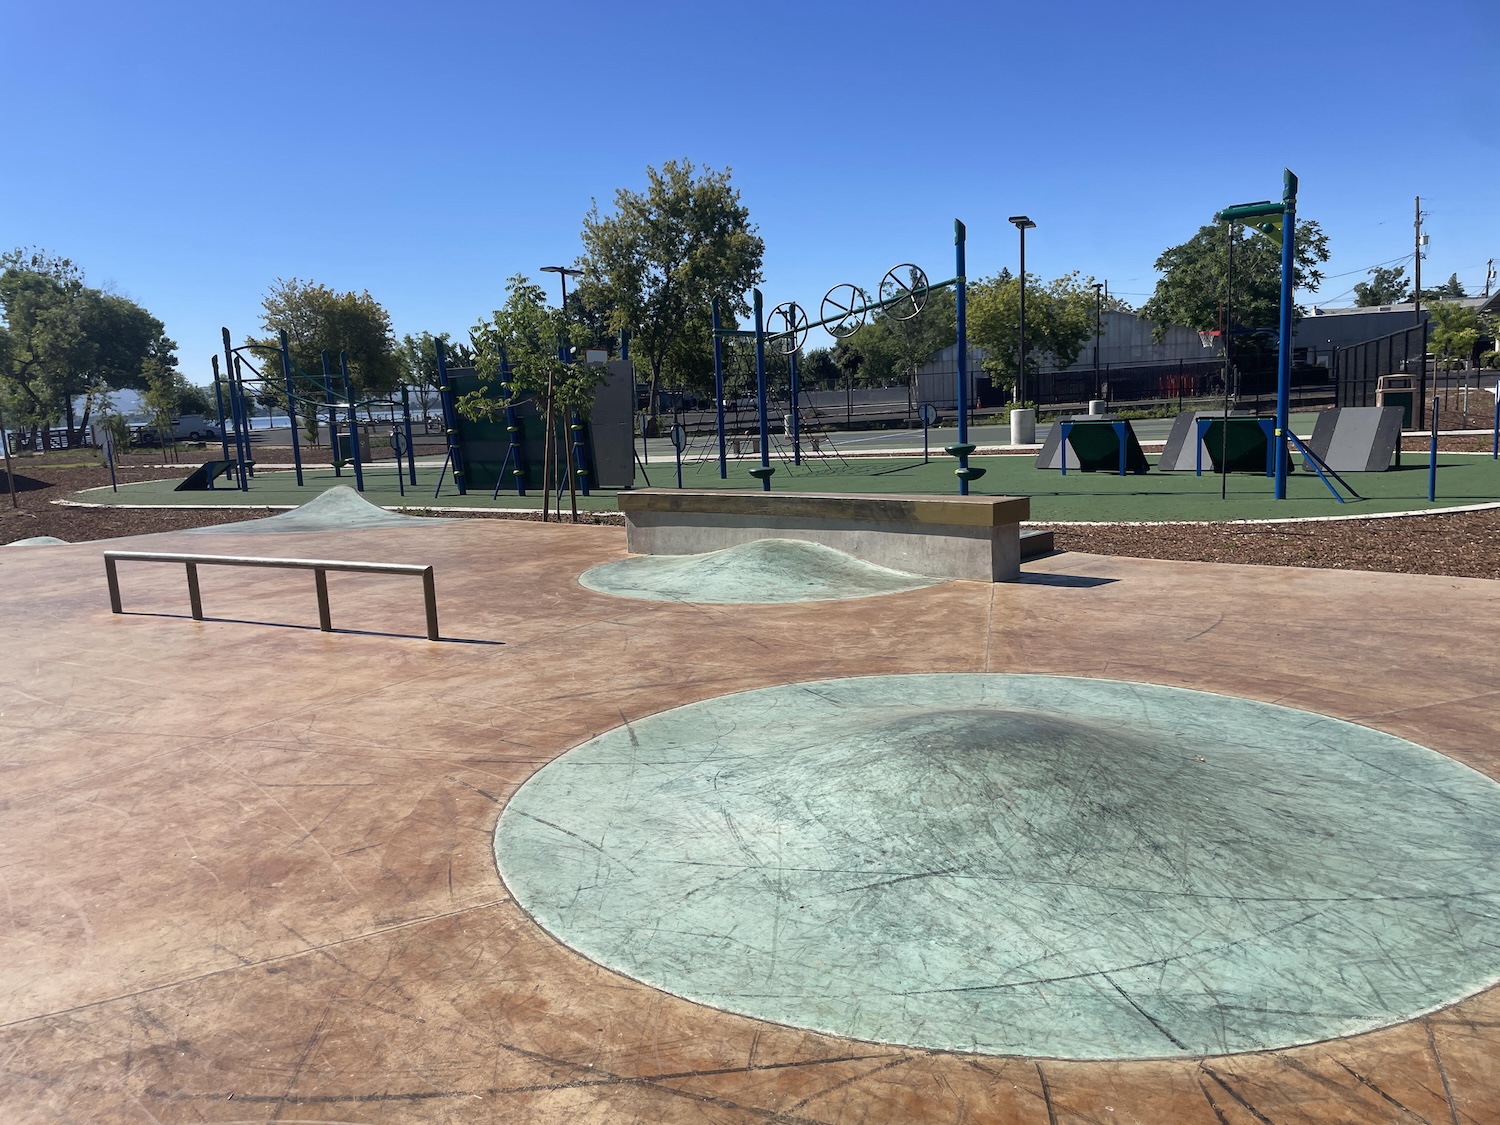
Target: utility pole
{"points": [[1489, 277], [1417, 263]]}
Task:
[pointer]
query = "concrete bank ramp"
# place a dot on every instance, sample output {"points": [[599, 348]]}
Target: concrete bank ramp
{"points": [[339, 509], [764, 571], [37, 541]]}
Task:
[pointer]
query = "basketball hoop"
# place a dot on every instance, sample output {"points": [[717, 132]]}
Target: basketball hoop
{"points": [[1207, 339]]}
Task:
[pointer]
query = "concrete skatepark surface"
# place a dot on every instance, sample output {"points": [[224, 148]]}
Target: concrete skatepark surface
{"points": [[249, 874], [764, 572], [1025, 865]]}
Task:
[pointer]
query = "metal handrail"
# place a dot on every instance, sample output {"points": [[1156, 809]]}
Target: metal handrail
{"points": [[319, 567]]}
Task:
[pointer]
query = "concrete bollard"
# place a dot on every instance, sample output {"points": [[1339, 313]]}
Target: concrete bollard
{"points": [[1023, 427], [1098, 406]]}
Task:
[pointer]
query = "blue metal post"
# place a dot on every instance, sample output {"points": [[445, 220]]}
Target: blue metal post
{"points": [[291, 405], [1284, 351], [240, 450], [1432, 457], [1495, 449], [760, 394], [450, 423], [513, 428], [359, 475], [961, 303], [411, 457], [791, 361], [580, 454], [219, 400], [719, 389], [333, 422]]}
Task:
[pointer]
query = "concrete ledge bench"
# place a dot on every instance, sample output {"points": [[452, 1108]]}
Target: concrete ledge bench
{"points": [[977, 538]]}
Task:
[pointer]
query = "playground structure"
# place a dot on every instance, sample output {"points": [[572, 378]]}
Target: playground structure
{"points": [[506, 449], [298, 388], [902, 293]]}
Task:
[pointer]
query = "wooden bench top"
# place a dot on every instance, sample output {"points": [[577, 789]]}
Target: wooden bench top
{"points": [[960, 511]]}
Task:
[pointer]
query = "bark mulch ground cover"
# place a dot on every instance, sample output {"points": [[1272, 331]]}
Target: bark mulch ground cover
{"points": [[1463, 544]]}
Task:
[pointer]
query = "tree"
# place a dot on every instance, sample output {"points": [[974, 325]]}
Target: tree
{"points": [[1453, 332], [1387, 286], [1059, 321], [318, 319], [62, 341], [1191, 289], [893, 349], [526, 335], [1449, 290], [659, 260]]}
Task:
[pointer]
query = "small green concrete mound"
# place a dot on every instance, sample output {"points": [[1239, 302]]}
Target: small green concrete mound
{"points": [[765, 571], [38, 541], [338, 509]]}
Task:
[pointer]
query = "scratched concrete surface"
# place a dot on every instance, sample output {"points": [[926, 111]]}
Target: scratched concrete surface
{"points": [[765, 571], [1023, 865], [247, 867]]}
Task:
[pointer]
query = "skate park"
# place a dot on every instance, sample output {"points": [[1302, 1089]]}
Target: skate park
{"points": [[1121, 840]]}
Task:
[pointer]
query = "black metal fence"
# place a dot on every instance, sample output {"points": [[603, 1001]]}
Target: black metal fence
{"points": [[1358, 368]]}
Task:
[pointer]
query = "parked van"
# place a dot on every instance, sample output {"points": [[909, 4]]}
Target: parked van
{"points": [[194, 427]]}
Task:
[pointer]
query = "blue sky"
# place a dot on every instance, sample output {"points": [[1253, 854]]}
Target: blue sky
{"points": [[189, 154]]}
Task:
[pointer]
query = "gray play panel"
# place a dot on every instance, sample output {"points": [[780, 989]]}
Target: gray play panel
{"points": [[340, 508], [1019, 864], [767, 570]]}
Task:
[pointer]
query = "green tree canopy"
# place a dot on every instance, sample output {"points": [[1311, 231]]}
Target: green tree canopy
{"points": [[1387, 286], [318, 319], [1454, 331], [656, 263], [1059, 321], [893, 349], [62, 341], [1449, 290], [1191, 289]]}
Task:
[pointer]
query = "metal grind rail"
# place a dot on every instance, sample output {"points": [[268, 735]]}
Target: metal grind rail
{"points": [[319, 567]]}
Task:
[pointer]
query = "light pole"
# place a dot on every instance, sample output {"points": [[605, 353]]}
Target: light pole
{"points": [[1098, 330], [1023, 224]]}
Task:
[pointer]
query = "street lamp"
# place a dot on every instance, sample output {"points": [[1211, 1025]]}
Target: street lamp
{"points": [[1098, 331], [1023, 224], [563, 272]]}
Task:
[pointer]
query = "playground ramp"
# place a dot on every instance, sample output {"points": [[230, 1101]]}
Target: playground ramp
{"points": [[764, 571], [338, 509]]}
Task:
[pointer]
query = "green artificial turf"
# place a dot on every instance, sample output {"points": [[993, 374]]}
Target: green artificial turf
{"points": [[1462, 480]]}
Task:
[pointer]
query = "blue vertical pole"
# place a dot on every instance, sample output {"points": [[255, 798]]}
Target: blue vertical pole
{"points": [[513, 428], [1284, 352], [240, 450], [961, 307], [219, 400], [291, 405], [719, 390], [791, 361], [1432, 457], [450, 423], [333, 422], [359, 475], [411, 457], [760, 394]]}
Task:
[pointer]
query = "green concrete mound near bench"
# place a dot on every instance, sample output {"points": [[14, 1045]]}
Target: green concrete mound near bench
{"points": [[977, 538]]}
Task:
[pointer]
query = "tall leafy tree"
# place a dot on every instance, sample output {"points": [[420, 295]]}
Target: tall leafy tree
{"points": [[63, 342], [893, 348], [1059, 322], [1454, 331], [1448, 291], [316, 319], [1387, 286], [1191, 289], [661, 257], [527, 335]]}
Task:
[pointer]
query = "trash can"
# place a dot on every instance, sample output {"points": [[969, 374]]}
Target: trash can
{"points": [[345, 452], [1398, 390]]}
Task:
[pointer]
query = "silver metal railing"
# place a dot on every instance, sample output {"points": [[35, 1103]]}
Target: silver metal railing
{"points": [[319, 567]]}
